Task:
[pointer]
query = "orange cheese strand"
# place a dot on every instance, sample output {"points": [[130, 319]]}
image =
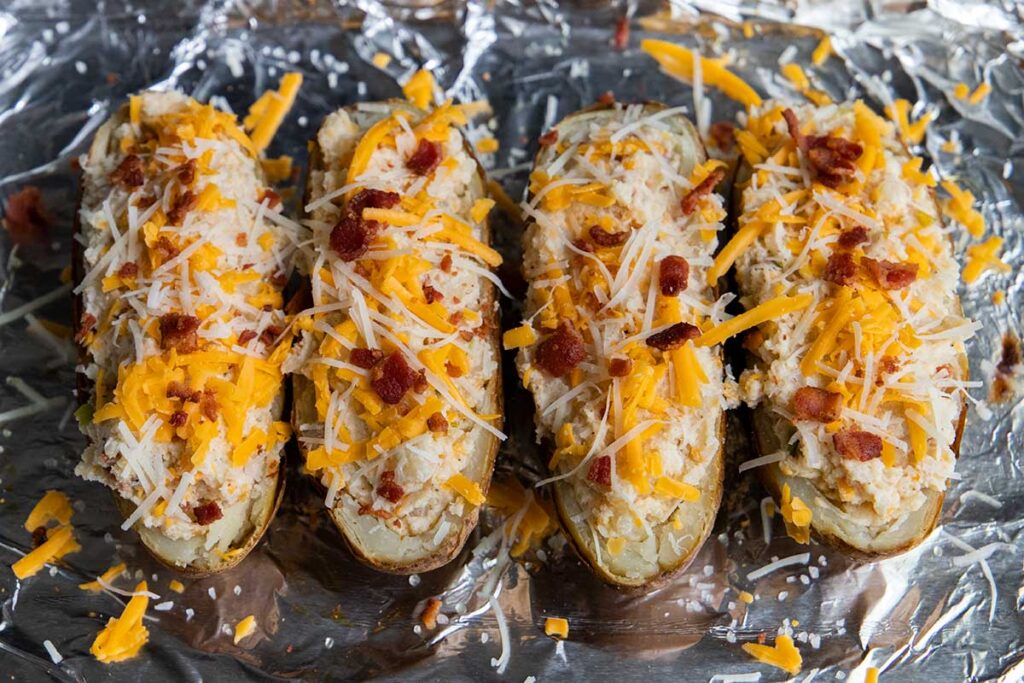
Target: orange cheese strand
{"points": [[124, 636], [839, 315], [54, 506], [270, 110], [678, 61], [769, 310], [982, 257], [60, 543], [419, 89], [106, 577], [782, 655]]}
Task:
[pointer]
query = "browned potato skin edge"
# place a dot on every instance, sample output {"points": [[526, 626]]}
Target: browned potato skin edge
{"points": [[572, 533], [124, 506], [303, 391], [770, 476]]}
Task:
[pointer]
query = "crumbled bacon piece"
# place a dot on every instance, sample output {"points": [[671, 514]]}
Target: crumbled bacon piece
{"points": [[437, 424], [242, 239], [430, 612], [673, 275], [351, 237], [424, 158], [372, 199], [187, 172], [705, 187], [38, 536], [365, 358], [272, 198], [129, 270], [421, 383], [184, 203], [549, 138], [858, 445], [722, 134], [582, 245], [819, 405], [887, 365], [24, 217], [621, 39], [180, 390], [208, 405], [600, 471], [620, 367], [446, 263], [85, 327], [388, 489], [392, 377], [606, 98], [207, 513], [164, 249], [840, 269], [851, 237], [603, 238], [178, 418], [673, 337], [431, 294], [270, 334], [890, 275], [130, 172], [178, 332], [562, 351], [830, 158], [452, 370]]}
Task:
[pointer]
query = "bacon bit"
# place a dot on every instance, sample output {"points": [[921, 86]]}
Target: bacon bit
{"points": [[270, 334], [421, 383], [437, 424], [424, 158], [887, 365], [549, 138], [369, 510], [583, 245], [830, 158], [603, 238], [1006, 368], [208, 405], [180, 390], [185, 202], [673, 337], [145, 201], [466, 335], [178, 418], [85, 327], [484, 329], [365, 358], [840, 269], [430, 294], [890, 275], [621, 39], [430, 612], [819, 405], [620, 367], [388, 489], [722, 134], [178, 332], [187, 172], [38, 536], [129, 172], [273, 199], [851, 237], [24, 217], [753, 339], [858, 445], [562, 351], [706, 186], [351, 237], [165, 249], [392, 377], [452, 370], [446, 263], [241, 239], [606, 98], [207, 513], [600, 471], [673, 274], [455, 318], [762, 638], [372, 199], [128, 270]]}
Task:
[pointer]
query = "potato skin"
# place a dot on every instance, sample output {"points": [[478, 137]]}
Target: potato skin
{"points": [[773, 479], [214, 564], [304, 412], [710, 501]]}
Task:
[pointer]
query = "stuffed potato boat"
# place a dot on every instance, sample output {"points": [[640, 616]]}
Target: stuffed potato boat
{"points": [[859, 362], [397, 373], [623, 223], [180, 259]]}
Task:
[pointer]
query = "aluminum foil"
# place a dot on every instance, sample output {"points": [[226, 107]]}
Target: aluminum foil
{"points": [[925, 615]]}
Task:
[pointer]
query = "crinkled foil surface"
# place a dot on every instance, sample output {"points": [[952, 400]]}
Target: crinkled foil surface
{"points": [[66, 65]]}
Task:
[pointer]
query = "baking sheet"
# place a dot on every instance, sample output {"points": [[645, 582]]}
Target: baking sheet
{"points": [[64, 66]]}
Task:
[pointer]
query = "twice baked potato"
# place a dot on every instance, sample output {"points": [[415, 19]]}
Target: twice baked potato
{"points": [[623, 221], [180, 255], [859, 366], [397, 381]]}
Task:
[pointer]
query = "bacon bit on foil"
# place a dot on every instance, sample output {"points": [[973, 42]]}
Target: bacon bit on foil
{"points": [[562, 351], [430, 612], [25, 218], [819, 405], [705, 187], [857, 445], [621, 38], [673, 337]]}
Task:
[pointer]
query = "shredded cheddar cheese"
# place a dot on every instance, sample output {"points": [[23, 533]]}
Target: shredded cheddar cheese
{"points": [[556, 627], [106, 577], [678, 61], [982, 257], [822, 52], [124, 636], [782, 655], [419, 89], [244, 628]]}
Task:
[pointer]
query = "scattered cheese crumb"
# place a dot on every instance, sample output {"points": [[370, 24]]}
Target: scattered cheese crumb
{"points": [[746, 597], [381, 60], [487, 145], [176, 586], [556, 626], [244, 628], [822, 52], [783, 655]]}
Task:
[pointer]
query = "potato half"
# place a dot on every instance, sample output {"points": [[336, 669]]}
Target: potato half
{"points": [[869, 460], [167, 429], [623, 221], [404, 483]]}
